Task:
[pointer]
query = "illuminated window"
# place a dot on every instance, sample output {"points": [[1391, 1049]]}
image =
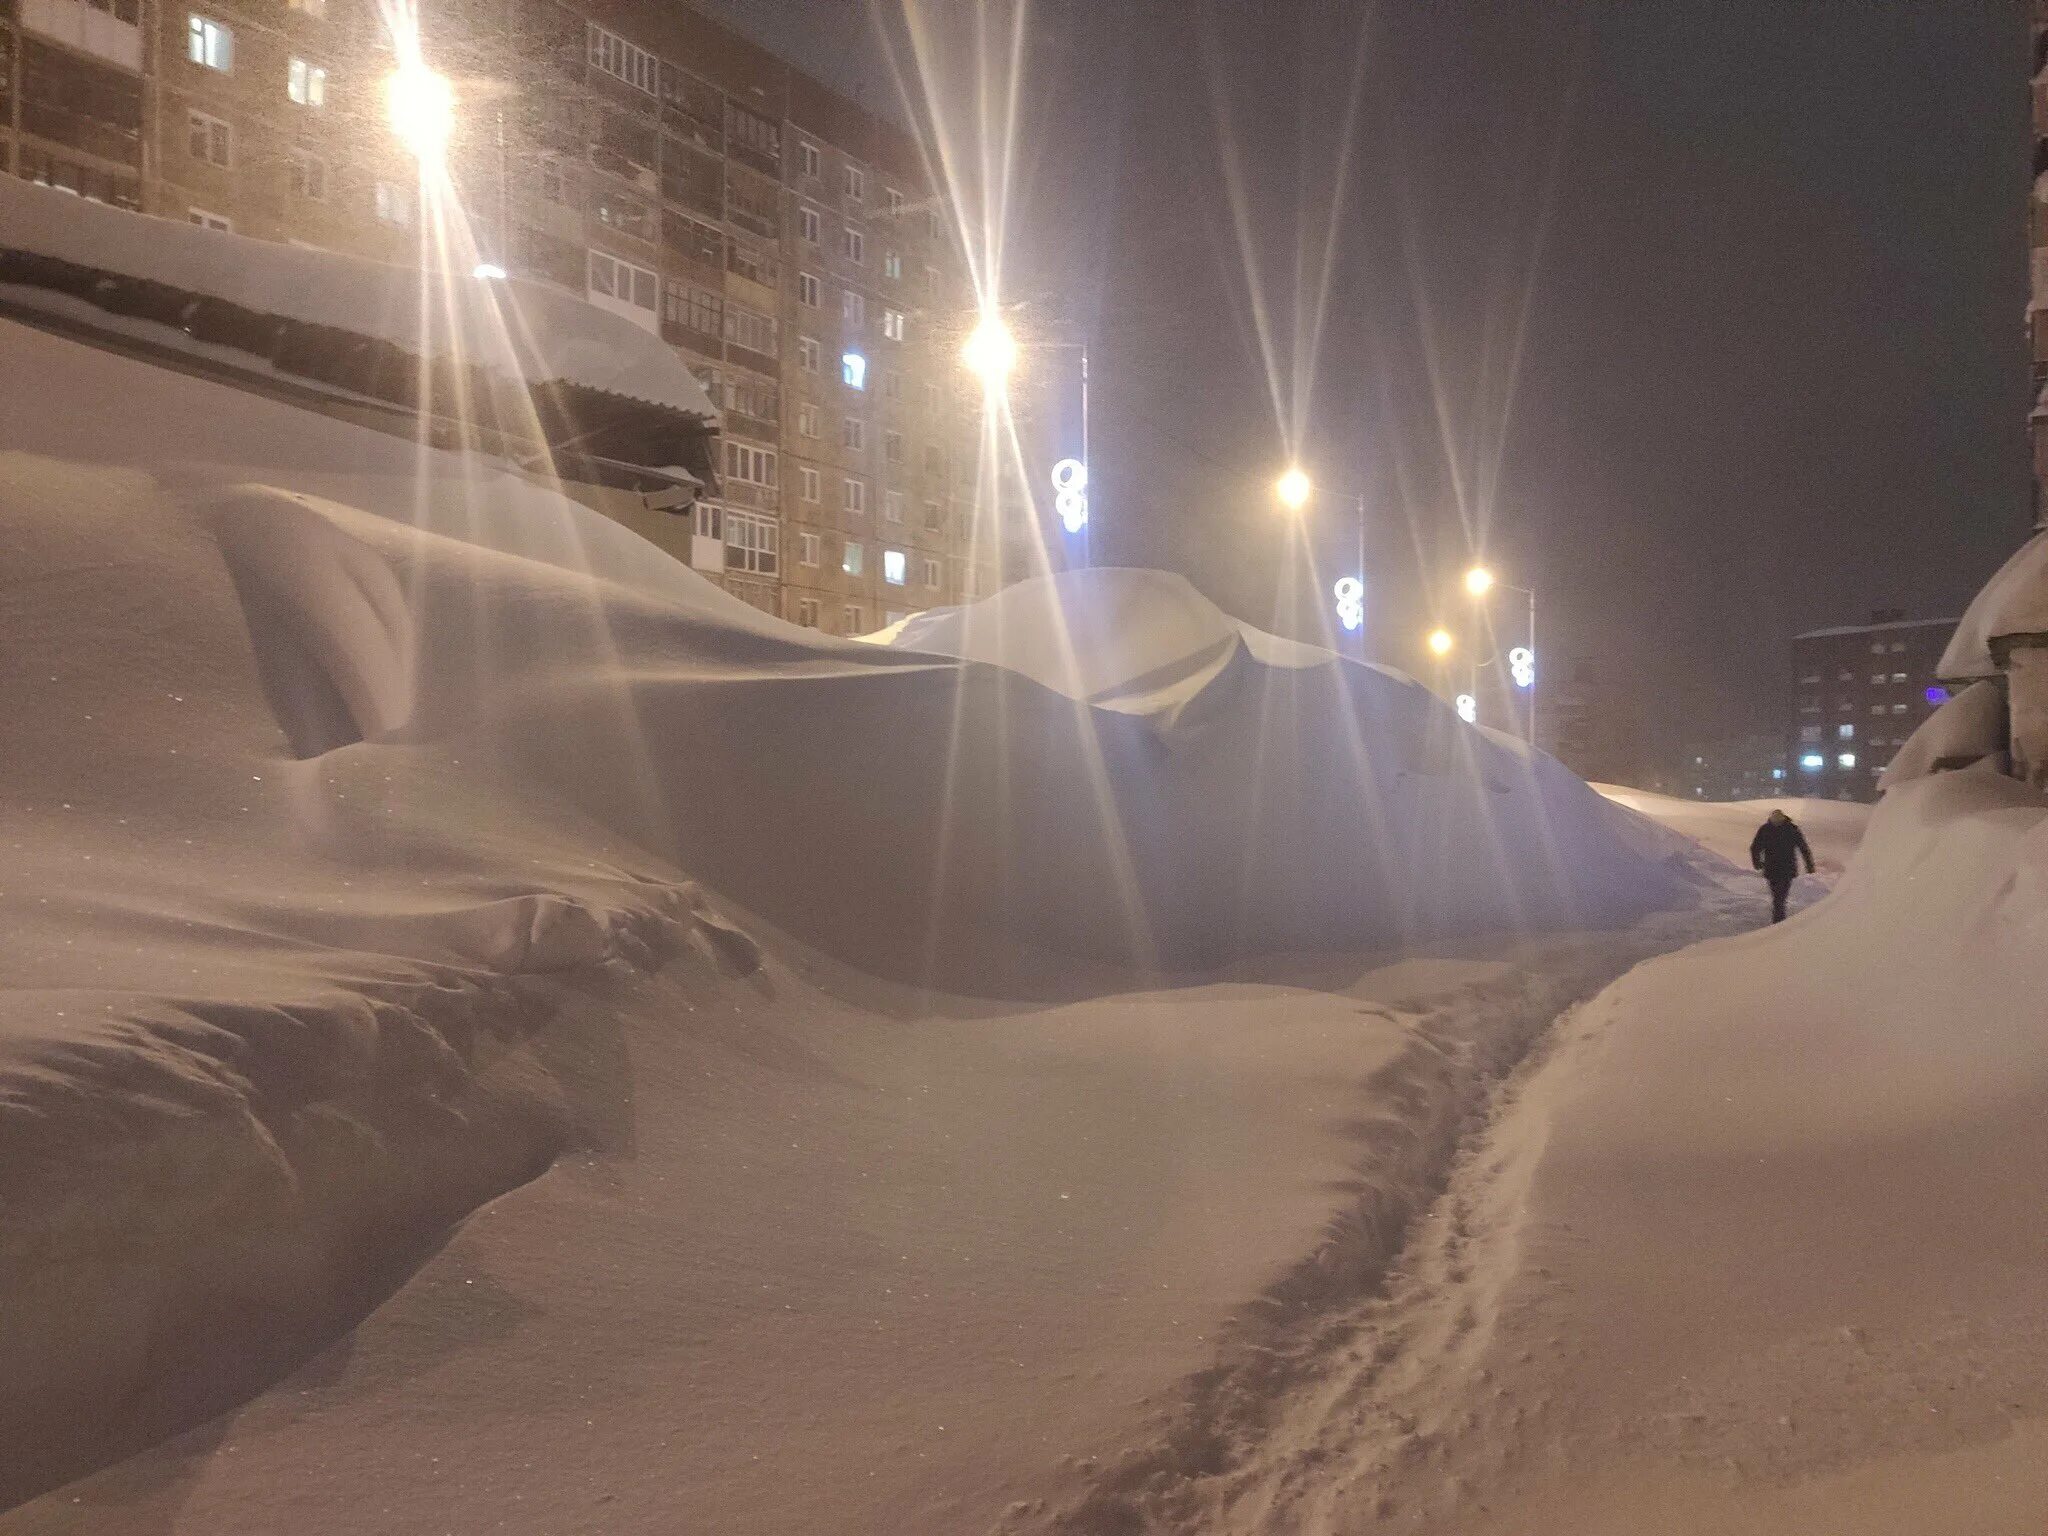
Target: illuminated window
{"points": [[853, 370], [306, 84], [209, 44], [1846, 759], [1813, 762], [895, 567]]}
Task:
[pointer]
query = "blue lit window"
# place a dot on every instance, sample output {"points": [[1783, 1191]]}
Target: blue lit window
{"points": [[854, 369], [1813, 762]]}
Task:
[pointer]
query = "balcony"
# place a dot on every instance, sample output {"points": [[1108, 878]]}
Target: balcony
{"points": [[109, 31]]}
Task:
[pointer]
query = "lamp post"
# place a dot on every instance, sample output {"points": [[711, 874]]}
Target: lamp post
{"points": [[1293, 489], [419, 103], [991, 353], [1479, 582]]}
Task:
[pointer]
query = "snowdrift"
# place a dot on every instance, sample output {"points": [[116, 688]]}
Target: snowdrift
{"points": [[334, 752]]}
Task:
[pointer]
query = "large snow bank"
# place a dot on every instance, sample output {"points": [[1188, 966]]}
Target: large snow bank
{"points": [[528, 329], [2013, 602], [1966, 729]]}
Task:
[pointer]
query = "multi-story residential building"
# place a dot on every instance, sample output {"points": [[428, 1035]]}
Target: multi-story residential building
{"points": [[785, 241], [2037, 243], [1859, 691]]}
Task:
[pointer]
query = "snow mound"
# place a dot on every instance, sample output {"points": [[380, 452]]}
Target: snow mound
{"points": [[2013, 602], [1967, 728]]}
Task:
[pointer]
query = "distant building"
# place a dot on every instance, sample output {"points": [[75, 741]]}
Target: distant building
{"points": [[1733, 768], [786, 242], [1591, 724], [2037, 243], [1859, 691]]}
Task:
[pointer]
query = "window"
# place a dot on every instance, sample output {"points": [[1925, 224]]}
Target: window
{"points": [[1811, 679], [853, 370], [856, 496], [892, 385], [710, 525], [853, 434], [850, 558], [892, 506], [1898, 709], [693, 308], [306, 83], [1875, 709], [620, 280], [807, 607], [807, 159], [621, 60], [1877, 648], [752, 543], [807, 483], [933, 575], [892, 264], [1898, 677], [208, 138], [749, 465], [309, 176], [807, 423], [895, 567], [394, 203], [750, 130], [207, 220], [1813, 762], [853, 181], [934, 520], [1846, 732], [807, 353], [807, 224], [1877, 679], [627, 215], [892, 324], [853, 245], [807, 545], [209, 44], [893, 198], [931, 222], [807, 289], [854, 618], [1846, 759], [749, 328], [1809, 733], [1898, 645], [853, 308], [892, 447]]}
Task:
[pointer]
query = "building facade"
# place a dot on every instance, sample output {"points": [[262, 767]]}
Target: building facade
{"points": [[1859, 692], [787, 243], [2037, 258]]}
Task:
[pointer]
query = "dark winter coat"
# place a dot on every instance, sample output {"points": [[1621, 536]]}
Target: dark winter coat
{"points": [[1777, 849]]}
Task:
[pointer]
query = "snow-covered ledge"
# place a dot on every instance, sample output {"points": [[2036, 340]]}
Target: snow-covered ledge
{"points": [[2004, 636]]}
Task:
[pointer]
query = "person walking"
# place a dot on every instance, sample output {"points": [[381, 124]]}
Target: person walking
{"points": [[1776, 850]]}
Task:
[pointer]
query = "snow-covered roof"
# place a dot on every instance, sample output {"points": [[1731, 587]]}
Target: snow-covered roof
{"points": [[1870, 629], [537, 332], [2013, 602]]}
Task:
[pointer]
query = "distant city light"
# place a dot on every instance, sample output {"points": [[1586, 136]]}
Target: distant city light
{"points": [[488, 270], [1813, 762], [853, 368], [991, 351], [1846, 759], [1468, 709], [1937, 696], [1293, 488], [1440, 642], [420, 104], [1522, 666], [1350, 595], [1070, 493], [1479, 581], [1777, 773]]}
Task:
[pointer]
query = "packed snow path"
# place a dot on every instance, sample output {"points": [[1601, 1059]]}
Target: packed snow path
{"points": [[841, 1268]]}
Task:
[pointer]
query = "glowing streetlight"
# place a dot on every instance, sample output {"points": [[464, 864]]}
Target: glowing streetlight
{"points": [[1293, 488], [1440, 642], [420, 105], [1479, 581], [991, 351]]}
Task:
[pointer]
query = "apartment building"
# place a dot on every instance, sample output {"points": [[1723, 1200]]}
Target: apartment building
{"points": [[785, 241], [2037, 263], [1860, 691]]}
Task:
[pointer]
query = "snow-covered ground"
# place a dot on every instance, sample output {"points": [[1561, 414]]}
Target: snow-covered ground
{"points": [[734, 1079]]}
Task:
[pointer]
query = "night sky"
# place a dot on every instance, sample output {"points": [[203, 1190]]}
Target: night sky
{"points": [[1704, 319]]}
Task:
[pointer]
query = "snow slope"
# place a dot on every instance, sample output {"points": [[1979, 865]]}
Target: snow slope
{"points": [[362, 788], [1834, 828]]}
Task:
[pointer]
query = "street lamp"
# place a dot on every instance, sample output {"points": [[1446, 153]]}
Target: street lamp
{"points": [[1479, 581], [420, 105], [1293, 488], [990, 351], [1440, 642]]}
